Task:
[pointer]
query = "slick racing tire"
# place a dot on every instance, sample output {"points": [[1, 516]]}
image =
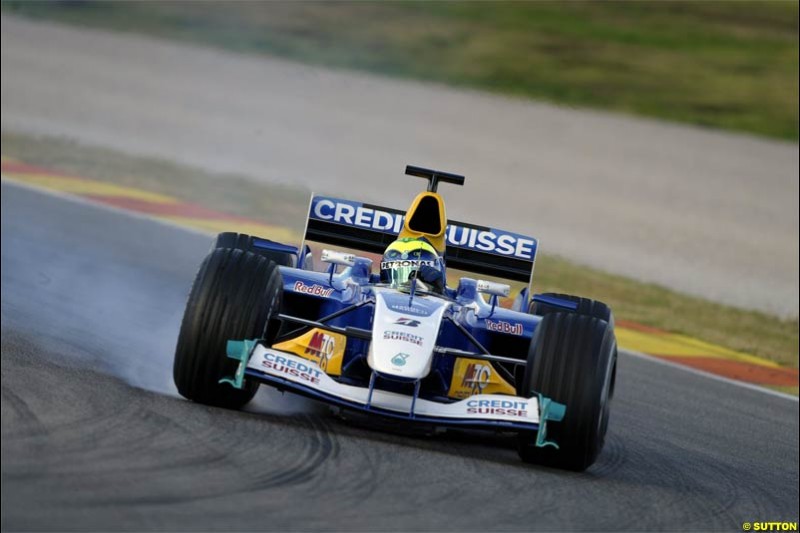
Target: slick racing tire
{"points": [[240, 241], [571, 361], [234, 296], [586, 306]]}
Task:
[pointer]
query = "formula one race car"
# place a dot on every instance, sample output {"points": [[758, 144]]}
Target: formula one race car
{"points": [[402, 344]]}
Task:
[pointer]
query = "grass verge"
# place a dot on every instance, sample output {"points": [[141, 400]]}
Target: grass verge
{"points": [[648, 304], [725, 64]]}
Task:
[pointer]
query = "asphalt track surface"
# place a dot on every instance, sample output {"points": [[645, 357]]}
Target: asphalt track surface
{"points": [[704, 212], [95, 437]]}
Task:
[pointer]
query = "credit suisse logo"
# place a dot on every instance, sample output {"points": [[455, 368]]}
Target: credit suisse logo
{"points": [[498, 407], [484, 239], [402, 336], [290, 367]]}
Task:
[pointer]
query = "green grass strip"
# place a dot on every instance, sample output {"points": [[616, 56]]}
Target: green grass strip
{"points": [[723, 64]]}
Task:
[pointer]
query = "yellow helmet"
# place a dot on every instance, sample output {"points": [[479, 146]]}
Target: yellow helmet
{"points": [[404, 257]]}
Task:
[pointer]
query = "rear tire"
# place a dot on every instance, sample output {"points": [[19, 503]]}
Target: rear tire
{"points": [[241, 241], [233, 297], [571, 361]]}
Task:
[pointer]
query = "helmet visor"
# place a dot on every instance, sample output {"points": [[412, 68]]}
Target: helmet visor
{"points": [[398, 272]]}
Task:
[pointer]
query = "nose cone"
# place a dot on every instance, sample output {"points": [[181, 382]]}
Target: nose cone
{"points": [[404, 333]]}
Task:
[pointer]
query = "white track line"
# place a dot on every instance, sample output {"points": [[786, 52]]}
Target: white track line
{"points": [[709, 375]]}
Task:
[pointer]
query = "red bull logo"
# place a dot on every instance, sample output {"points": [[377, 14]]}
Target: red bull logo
{"points": [[504, 327], [314, 290]]}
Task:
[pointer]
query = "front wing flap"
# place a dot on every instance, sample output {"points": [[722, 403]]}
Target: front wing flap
{"points": [[290, 372]]}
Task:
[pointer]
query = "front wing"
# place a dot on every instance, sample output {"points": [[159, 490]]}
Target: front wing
{"points": [[287, 371]]}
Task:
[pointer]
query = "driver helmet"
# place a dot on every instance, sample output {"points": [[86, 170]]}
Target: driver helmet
{"points": [[403, 258]]}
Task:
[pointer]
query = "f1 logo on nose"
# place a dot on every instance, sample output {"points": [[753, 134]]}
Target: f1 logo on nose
{"points": [[405, 321]]}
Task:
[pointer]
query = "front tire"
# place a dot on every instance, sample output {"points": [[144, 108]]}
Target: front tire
{"points": [[233, 297], [247, 243], [585, 306], [571, 361]]}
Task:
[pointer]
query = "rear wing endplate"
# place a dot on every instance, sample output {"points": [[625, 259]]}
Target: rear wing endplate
{"points": [[372, 228]]}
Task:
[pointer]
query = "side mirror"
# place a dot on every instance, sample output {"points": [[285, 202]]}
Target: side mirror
{"points": [[337, 258], [493, 288]]}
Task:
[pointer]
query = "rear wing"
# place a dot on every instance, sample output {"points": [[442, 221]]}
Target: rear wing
{"points": [[372, 228]]}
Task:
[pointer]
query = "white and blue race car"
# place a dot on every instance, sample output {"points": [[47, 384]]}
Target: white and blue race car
{"points": [[447, 356]]}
